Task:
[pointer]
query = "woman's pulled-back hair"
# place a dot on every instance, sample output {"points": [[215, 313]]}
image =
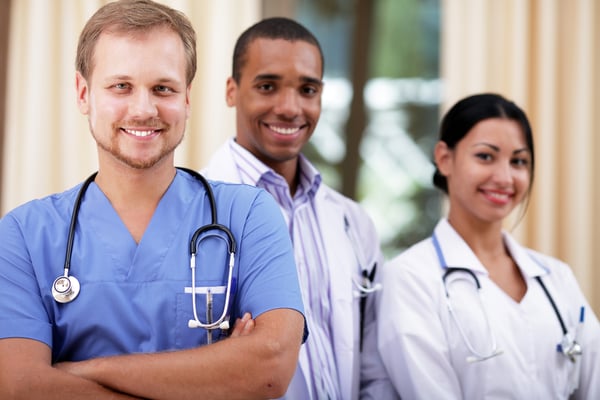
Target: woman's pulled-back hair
{"points": [[469, 111]]}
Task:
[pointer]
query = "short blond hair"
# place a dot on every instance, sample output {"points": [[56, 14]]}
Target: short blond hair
{"points": [[126, 16]]}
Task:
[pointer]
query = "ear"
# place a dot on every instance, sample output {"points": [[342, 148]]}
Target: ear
{"points": [[442, 155], [188, 94], [231, 92], [83, 91]]}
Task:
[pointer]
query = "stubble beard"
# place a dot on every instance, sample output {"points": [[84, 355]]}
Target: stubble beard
{"points": [[115, 151]]}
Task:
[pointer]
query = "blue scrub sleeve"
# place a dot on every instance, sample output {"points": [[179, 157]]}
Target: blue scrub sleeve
{"points": [[268, 278], [22, 312]]}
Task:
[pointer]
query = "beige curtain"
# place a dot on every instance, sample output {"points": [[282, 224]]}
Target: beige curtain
{"points": [[545, 55], [48, 147]]}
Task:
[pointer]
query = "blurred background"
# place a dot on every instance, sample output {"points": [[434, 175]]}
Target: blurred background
{"points": [[392, 67]]}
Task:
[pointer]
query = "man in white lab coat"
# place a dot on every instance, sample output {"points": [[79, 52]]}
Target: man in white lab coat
{"points": [[276, 87]]}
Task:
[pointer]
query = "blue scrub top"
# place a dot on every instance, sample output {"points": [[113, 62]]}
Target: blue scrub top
{"points": [[132, 295]]}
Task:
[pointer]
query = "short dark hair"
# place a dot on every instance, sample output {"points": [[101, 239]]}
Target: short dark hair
{"points": [[270, 28], [127, 16], [466, 113]]}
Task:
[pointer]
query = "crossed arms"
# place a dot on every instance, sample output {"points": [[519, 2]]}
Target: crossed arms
{"points": [[257, 361]]}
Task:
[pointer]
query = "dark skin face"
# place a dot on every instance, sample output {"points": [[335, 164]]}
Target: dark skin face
{"points": [[278, 102]]}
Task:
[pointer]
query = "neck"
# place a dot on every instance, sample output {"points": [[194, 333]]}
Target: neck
{"points": [[485, 239], [134, 186], [135, 194], [290, 172]]}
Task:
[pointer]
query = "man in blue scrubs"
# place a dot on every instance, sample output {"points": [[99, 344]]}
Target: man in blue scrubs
{"points": [[130, 331]]}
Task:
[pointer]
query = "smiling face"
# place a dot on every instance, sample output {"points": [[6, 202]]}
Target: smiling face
{"points": [[277, 100], [488, 171], [136, 97]]}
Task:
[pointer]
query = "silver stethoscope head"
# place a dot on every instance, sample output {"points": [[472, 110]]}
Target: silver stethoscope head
{"points": [[65, 288], [570, 348]]}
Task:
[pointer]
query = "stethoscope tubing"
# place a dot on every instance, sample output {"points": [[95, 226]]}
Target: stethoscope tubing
{"points": [[72, 225], [449, 270], [67, 295]]}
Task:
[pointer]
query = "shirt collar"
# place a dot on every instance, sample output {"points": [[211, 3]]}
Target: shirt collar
{"points": [[253, 171], [249, 167], [529, 263], [310, 178]]}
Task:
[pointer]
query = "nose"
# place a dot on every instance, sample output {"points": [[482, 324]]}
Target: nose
{"points": [[142, 105], [503, 173], [288, 104]]}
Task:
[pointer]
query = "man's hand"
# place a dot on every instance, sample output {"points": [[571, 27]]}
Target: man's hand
{"points": [[243, 326]]}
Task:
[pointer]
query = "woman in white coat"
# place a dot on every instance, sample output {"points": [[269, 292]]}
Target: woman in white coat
{"points": [[471, 314]]}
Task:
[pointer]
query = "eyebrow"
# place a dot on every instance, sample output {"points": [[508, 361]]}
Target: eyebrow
{"points": [[128, 78], [275, 77], [497, 149]]}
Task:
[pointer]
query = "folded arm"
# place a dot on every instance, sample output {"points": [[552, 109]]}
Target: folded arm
{"points": [[258, 365], [26, 373]]}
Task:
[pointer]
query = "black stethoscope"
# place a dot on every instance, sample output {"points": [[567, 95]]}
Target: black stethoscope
{"points": [[66, 287], [568, 345]]}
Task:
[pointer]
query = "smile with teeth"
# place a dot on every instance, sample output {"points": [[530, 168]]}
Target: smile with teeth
{"points": [[499, 197], [140, 133], [284, 131]]}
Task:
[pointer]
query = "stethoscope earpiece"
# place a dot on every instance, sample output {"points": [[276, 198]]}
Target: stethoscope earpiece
{"points": [[65, 289]]}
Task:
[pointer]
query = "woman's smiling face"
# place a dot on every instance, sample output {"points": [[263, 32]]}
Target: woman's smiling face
{"points": [[488, 171]]}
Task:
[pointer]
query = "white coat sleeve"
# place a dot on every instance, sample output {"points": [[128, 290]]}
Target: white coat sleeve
{"points": [[412, 340], [588, 336]]}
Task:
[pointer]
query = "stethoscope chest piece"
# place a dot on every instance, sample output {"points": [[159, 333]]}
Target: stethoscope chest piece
{"points": [[65, 289]]}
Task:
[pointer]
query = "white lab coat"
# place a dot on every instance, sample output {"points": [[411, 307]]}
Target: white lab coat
{"points": [[426, 356], [341, 256]]}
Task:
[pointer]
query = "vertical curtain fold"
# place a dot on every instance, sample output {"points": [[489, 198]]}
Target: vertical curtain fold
{"points": [[544, 55]]}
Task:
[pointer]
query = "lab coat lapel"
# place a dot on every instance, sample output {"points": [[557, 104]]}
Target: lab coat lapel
{"points": [[222, 167], [341, 263]]}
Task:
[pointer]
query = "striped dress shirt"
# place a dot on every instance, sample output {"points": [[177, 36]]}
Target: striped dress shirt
{"points": [[300, 215]]}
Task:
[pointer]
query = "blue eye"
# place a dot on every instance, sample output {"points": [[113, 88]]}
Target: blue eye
{"points": [[163, 89]]}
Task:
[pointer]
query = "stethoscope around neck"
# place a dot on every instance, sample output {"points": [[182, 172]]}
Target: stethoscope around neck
{"points": [[66, 287], [568, 345]]}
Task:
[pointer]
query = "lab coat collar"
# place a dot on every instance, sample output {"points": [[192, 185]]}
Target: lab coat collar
{"points": [[253, 169], [458, 254], [456, 251], [528, 263]]}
